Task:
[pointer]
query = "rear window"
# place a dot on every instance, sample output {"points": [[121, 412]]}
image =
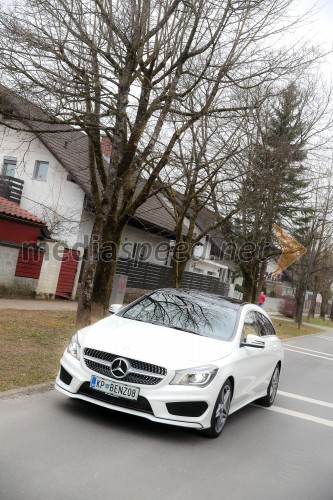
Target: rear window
{"points": [[191, 313]]}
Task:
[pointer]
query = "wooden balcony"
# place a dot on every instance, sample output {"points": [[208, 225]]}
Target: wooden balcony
{"points": [[11, 188]]}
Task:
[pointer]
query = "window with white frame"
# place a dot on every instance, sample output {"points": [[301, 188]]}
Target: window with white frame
{"points": [[41, 169], [9, 166], [211, 273]]}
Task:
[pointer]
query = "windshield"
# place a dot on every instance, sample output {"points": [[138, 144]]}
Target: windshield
{"points": [[194, 313]]}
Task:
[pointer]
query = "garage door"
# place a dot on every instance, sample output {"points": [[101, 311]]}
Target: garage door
{"points": [[67, 273]]}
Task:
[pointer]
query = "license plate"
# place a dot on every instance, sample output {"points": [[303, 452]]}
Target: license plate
{"points": [[114, 388]]}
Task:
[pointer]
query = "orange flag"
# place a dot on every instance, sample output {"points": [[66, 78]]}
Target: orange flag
{"points": [[291, 249]]}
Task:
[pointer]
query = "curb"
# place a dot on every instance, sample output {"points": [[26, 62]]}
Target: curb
{"points": [[27, 391]]}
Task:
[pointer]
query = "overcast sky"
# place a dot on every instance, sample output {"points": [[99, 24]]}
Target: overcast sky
{"points": [[324, 19], [320, 30]]}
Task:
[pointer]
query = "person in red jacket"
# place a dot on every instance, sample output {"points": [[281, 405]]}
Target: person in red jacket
{"points": [[262, 299]]}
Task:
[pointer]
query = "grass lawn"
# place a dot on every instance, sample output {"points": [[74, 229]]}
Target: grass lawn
{"points": [[318, 321], [32, 342], [289, 329]]}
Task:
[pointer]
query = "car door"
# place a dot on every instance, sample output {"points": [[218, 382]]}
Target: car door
{"points": [[253, 365], [272, 343]]}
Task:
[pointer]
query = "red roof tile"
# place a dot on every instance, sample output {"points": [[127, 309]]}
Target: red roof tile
{"points": [[10, 208]]}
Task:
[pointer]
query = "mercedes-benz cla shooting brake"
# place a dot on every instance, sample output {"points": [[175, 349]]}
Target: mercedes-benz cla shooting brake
{"points": [[177, 357]]}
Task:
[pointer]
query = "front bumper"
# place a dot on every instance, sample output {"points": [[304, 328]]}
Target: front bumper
{"points": [[166, 402]]}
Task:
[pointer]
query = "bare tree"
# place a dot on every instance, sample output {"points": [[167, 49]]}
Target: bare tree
{"points": [[125, 68], [276, 180], [314, 270], [203, 159]]}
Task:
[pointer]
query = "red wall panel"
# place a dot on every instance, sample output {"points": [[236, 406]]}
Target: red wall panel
{"points": [[67, 273], [18, 232], [29, 263]]}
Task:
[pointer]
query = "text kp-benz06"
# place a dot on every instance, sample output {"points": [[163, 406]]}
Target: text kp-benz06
{"points": [[177, 357]]}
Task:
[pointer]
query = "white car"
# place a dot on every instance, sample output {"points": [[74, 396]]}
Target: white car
{"points": [[177, 357]]}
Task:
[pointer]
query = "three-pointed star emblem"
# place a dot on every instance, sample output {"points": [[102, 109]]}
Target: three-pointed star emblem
{"points": [[119, 367]]}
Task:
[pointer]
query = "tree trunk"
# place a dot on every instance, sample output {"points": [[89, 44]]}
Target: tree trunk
{"points": [[83, 315], [248, 285], [182, 251], [106, 267], [312, 308], [325, 295], [255, 273], [331, 313], [299, 297], [261, 279], [178, 272], [323, 308]]}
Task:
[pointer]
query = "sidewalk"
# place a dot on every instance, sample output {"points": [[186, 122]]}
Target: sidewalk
{"points": [[38, 305]]}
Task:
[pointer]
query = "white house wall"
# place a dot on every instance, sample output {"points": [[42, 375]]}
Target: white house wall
{"points": [[203, 249], [55, 199], [85, 228], [203, 264], [205, 267], [51, 266], [157, 244], [8, 280], [48, 279], [131, 235], [8, 261]]}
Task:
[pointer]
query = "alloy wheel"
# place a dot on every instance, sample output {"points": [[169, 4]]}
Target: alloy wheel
{"points": [[274, 384], [222, 409]]}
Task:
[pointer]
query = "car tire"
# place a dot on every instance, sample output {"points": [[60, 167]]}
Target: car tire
{"points": [[220, 412], [268, 400]]}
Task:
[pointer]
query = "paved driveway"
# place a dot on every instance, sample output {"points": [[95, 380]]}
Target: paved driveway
{"points": [[55, 448]]}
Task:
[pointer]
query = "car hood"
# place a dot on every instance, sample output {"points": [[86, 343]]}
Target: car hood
{"points": [[153, 344]]}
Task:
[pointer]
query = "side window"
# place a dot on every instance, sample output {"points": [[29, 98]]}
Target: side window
{"points": [[41, 169], [265, 326], [250, 325], [9, 166]]}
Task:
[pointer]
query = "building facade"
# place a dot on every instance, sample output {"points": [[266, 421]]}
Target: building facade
{"points": [[52, 172]]}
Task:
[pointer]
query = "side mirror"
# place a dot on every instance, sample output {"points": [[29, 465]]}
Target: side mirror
{"points": [[114, 308], [253, 341]]}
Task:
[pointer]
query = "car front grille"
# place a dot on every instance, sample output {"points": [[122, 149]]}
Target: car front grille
{"points": [[141, 404], [100, 362]]}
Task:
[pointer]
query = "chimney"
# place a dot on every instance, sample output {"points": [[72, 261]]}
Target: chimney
{"points": [[106, 146]]}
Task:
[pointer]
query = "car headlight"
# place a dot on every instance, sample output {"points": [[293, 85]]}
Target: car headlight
{"points": [[74, 346], [199, 376]]}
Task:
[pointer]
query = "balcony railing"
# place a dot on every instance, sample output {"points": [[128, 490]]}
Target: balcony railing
{"points": [[11, 188]]}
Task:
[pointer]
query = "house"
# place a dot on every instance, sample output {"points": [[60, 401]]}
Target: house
{"points": [[48, 173], [282, 285]]}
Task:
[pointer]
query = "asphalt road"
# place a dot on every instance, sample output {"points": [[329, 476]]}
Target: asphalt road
{"points": [[55, 448]]}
